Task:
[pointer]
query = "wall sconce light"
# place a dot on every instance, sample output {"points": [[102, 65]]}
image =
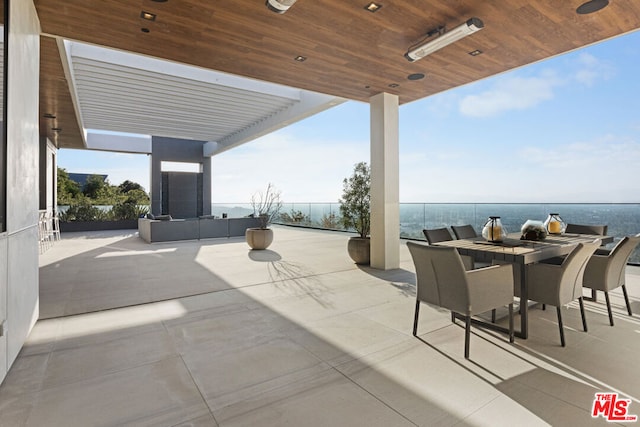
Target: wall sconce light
{"points": [[279, 6], [445, 38]]}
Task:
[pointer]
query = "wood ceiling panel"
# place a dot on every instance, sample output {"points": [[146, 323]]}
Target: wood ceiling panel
{"points": [[56, 99], [350, 52]]}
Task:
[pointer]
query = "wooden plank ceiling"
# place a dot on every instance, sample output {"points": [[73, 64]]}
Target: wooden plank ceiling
{"points": [[350, 52]]}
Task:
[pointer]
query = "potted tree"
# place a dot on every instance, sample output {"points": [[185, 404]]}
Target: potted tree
{"points": [[266, 206], [355, 209]]}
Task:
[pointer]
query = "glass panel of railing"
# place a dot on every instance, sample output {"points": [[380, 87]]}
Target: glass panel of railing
{"points": [[622, 219], [231, 210]]}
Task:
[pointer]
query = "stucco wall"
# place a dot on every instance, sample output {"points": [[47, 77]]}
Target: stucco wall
{"points": [[178, 150], [19, 252]]}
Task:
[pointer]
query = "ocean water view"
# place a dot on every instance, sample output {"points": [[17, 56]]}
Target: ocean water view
{"points": [[622, 219]]}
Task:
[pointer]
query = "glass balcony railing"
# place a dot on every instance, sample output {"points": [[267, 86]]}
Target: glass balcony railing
{"points": [[623, 219]]}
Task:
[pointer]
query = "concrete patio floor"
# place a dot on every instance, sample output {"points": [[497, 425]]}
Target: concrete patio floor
{"points": [[296, 335]]}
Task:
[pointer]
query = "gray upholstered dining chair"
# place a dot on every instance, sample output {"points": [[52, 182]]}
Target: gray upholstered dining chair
{"points": [[606, 269], [560, 284], [464, 231], [594, 229], [443, 281], [597, 230], [436, 235]]}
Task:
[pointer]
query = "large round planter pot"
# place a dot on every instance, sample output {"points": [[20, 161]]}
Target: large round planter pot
{"points": [[259, 238], [359, 249]]}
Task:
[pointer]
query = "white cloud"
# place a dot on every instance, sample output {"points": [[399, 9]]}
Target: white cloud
{"points": [[592, 69], [519, 93], [510, 93]]}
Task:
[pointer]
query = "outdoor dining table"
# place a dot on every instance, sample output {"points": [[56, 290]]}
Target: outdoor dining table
{"points": [[519, 253]]}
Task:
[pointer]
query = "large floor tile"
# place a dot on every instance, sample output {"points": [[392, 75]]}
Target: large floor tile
{"points": [[161, 393], [222, 330], [237, 376], [204, 421], [328, 400], [503, 411], [109, 355], [424, 385], [26, 377], [344, 337], [548, 408]]}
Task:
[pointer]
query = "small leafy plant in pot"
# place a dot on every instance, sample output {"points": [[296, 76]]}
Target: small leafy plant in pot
{"points": [[266, 206], [355, 209]]}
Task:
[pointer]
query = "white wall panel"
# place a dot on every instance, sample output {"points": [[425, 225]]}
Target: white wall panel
{"points": [[3, 305], [20, 254], [22, 296]]}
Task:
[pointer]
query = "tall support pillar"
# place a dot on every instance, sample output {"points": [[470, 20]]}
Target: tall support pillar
{"points": [[385, 182]]}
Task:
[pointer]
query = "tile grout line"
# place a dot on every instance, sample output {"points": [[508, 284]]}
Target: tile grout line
{"points": [[374, 396], [184, 363]]}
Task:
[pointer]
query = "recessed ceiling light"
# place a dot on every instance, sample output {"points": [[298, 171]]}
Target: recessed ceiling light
{"points": [[144, 30], [415, 76], [373, 7], [592, 6], [300, 58], [475, 52], [148, 16], [394, 85], [49, 116]]}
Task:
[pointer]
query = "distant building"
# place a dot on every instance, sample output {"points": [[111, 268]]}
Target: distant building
{"points": [[81, 178]]}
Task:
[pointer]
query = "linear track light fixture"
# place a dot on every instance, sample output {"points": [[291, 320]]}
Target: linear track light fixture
{"points": [[444, 39], [279, 6]]}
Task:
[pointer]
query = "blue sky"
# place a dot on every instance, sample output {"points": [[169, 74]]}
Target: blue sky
{"points": [[563, 130]]}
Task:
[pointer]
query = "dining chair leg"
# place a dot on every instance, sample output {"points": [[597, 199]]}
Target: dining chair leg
{"points": [[511, 322], [626, 299], [493, 316], [584, 319], [467, 335], [559, 311], [415, 318], [606, 298]]}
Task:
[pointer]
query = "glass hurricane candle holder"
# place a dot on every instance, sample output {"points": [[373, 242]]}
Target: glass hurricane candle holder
{"points": [[554, 224], [493, 230]]}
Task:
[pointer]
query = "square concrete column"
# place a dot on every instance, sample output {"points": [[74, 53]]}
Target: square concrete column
{"points": [[385, 182]]}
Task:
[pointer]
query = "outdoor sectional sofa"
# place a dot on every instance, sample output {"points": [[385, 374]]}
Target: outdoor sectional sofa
{"points": [[167, 229]]}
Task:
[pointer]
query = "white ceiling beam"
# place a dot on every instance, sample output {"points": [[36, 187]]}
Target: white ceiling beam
{"points": [[148, 63], [209, 148], [310, 104], [65, 59], [118, 142]]}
